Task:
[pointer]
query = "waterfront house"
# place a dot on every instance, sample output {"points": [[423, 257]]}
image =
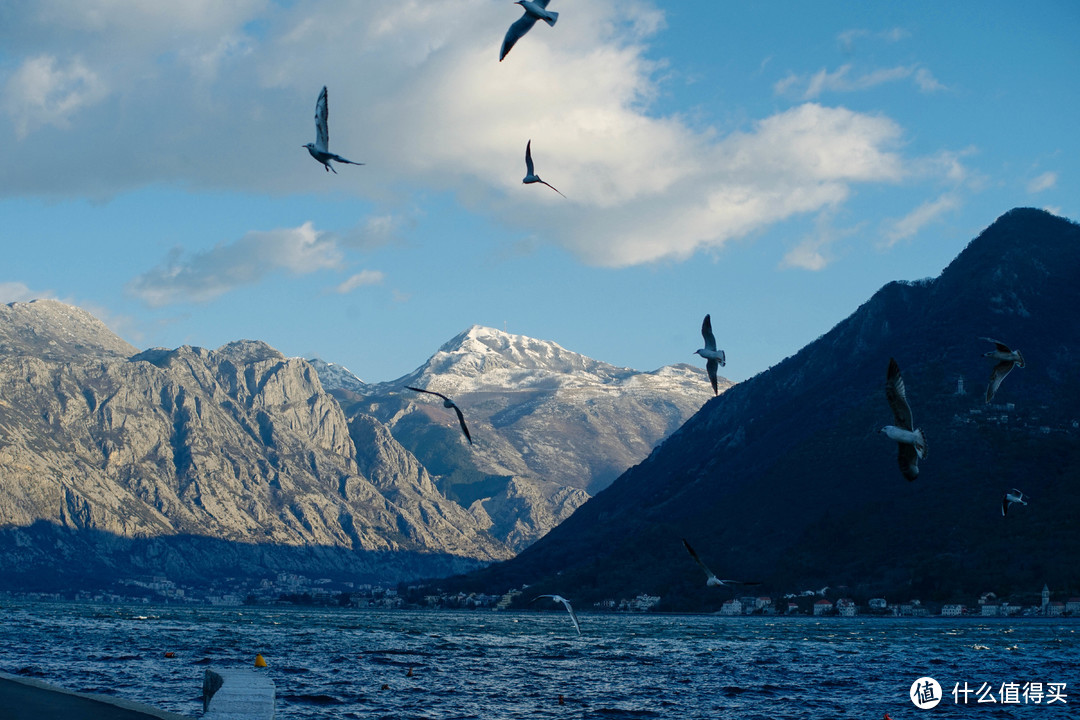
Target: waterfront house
{"points": [[731, 607], [846, 607]]}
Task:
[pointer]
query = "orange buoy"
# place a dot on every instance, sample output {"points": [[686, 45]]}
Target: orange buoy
{"points": [[260, 661], [170, 654], [409, 674]]}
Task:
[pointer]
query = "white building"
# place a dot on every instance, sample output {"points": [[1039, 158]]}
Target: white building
{"points": [[731, 607], [846, 607]]}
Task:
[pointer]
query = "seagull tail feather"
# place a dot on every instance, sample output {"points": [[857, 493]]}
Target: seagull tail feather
{"points": [[551, 21], [920, 444]]}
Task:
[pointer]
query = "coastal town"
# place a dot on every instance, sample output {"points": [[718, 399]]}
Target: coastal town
{"points": [[294, 589]]}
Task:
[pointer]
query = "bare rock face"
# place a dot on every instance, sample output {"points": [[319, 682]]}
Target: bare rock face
{"points": [[551, 426], [52, 330], [238, 444]]}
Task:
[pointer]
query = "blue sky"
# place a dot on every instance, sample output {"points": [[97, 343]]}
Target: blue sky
{"points": [[770, 163]]}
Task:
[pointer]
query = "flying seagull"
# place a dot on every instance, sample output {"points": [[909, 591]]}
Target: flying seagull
{"points": [[448, 403], [1013, 496], [1007, 360], [530, 174], [712, 580], [320, 148], [713, 356], [534, 10], [564, 601], [910, 441]]}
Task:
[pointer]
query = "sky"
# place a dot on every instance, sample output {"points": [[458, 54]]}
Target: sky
{"points": [[772, 164]]}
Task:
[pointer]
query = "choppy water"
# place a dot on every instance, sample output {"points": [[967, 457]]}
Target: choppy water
{"points": [[333, 663]]}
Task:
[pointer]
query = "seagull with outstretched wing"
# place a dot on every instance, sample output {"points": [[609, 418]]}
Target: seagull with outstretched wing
{"points": [[448, 403], [320, 149], [534, 10], [530, 173], [1013, 496], [713, 357], [911, 442], [1007, 360], [711, 579], [566, 603]]}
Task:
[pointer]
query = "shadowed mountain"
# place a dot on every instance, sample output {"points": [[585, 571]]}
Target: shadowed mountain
{"points": [[785, 478]]}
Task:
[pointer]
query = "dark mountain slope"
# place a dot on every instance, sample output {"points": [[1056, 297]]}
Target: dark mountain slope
{"points": [[785, 477]]}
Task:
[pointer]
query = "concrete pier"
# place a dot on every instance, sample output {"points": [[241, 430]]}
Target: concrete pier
{"points": [[237, 695]]}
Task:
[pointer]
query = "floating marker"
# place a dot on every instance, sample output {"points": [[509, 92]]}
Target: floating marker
{"points": [[260, 661]]}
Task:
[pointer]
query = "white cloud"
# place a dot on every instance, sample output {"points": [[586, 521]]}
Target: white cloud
{"points": [[206, 275], [926, 81], [1043, 182], [917, 219], [806, 255], [848, 37], [220, 96], [20, 292], [43, 92], [360, 279], [844, 80], [815, 251]]}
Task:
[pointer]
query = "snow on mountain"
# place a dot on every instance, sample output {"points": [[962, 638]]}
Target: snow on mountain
{"points": [[337, 377], [550, 426]]}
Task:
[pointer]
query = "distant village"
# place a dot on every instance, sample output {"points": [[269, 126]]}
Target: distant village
{"points": [[293, 589]]}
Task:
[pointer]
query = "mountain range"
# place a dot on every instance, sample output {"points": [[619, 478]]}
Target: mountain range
{"points": [[196, 464], [550, 426], [786, 479]]}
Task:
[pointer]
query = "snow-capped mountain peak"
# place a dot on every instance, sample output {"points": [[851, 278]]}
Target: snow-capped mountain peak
{"points": [[483, 356]]}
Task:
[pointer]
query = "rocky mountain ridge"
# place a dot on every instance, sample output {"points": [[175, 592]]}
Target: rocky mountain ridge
{"points": [[550, 426], [238, 461], [239, 444]]}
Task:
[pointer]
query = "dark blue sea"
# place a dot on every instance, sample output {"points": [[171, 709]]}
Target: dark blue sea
{"points": [[488, 665]]}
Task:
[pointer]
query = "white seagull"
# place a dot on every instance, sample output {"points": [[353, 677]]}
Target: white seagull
{"points": [[1013, 496], [1007, 360], [534, 10], [711, 579], [564, 601], [447, 403], [320, 148], [713, 356], [910, 441], [530, 174]]}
